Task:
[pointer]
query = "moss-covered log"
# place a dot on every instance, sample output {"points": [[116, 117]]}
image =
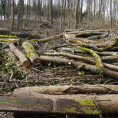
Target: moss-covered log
{"points": [[99, 36], [87, 67], [24, 61], [7, 36], [31, 53], [75, 104], [85, 59], [97, 58], [13, 40], [88, 43], [46, 39], [115, 43]]}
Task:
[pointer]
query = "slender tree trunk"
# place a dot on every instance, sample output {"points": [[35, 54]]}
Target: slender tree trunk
{"points": [[88, 9], [12, 15], [111, 18], [51, 11], [61, 19], [77, 18], [94, 22], [81, 11]]}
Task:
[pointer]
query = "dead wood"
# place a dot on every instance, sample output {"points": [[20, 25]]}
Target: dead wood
{"points": [[89, 34], [85, 59], [31, 53], [70, 56], [67, 90], [115, 43], [99, 36], [46, 39], [62, 103], [108, 58], [76, 32], [24, 61], [11, 55], [88, 43], [97, 58], [87, 67]]}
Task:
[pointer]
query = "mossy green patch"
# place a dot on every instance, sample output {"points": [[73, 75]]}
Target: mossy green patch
{"points": [[4, 40], [6, 36], [72, 110], [29, 49], [97, 58], [115, 43], [98, 36], [88, 107]]}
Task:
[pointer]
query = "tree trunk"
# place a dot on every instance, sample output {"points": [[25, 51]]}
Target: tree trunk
{"points": [[12, 15], [31, 53], [51, 11], [86, 67], [77, 17], [24, 61]]}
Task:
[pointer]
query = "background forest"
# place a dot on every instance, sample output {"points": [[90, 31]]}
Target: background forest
{"points": [[69, 13]]}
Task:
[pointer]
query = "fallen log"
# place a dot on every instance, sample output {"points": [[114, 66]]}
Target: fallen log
{"points": [[88, 43], [88, 34], [73, 104], [46, 39], [11, 55], [31, 53], [99, 36], [13, 40], [6, 36], [109, 58], [115, 43], [87, 67], [24, 61], [97, 58], [76, 32], [85, 59], [70, 90]]}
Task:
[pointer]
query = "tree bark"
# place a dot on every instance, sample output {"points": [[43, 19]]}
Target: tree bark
{"points": [[77, 18], [31, 53], [46, 39], [24, 61], [86, 67]]}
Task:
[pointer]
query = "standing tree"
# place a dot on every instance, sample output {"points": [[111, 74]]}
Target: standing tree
{"points": [[77, 17], [12, 15], [3, 7], [51, 11]]}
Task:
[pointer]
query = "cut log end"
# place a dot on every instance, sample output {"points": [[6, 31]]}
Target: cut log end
{"points": [[36, 62], [26, 63]]}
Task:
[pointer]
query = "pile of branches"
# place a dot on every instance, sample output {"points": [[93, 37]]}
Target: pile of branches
{"points": [[88, 53]]}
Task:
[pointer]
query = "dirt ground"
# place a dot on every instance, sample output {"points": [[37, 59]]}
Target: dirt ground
{"points": [[47, 73]]}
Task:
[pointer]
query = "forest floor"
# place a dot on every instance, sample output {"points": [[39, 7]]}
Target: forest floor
{"points": [[48, 73]]}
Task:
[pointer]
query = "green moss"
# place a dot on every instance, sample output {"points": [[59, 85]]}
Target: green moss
{"points": [[29, 49], [112, 45], [88, 107], [4, 40], [6, 36], [98, 36], [97, 58], [72, 110]]}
